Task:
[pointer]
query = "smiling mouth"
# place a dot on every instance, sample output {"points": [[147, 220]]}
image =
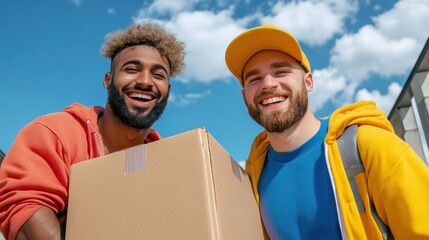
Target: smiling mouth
{"points": [[141, 97], [272, 100]]}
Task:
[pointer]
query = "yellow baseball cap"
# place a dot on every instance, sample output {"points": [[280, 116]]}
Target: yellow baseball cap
{"points": [[265, 37]]}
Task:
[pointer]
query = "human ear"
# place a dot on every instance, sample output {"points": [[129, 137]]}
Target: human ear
{"points": [[107, 80], [308, 80], [243, 94]]}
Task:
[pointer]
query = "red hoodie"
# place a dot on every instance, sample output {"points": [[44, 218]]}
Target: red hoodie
{"points": [[36, 170]]}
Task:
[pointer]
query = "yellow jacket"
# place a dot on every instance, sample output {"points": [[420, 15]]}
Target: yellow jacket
{"points": [[395, 178]]}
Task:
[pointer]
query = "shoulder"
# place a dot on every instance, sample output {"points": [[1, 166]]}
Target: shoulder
{"points": [[72, 117], [379, 137], [56, 121], [382, 150], [55, 134], [60, 125]]}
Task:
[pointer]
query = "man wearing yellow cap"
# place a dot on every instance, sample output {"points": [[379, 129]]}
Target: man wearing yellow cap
{"points": [[295, 165]]}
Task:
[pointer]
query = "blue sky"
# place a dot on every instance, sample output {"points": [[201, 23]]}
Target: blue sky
{"points": [[50, 56]]}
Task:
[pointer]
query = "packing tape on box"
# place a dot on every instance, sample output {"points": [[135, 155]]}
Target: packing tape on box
{"points": [[135, 160]]}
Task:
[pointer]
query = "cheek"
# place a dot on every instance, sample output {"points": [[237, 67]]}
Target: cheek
{"points": [[163, 87], [248, 97], [125, 80], [118, 80]]}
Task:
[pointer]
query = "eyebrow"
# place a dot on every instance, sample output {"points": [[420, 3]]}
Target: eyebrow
{"points": [[281, 64], [250, 73], [160, 66], [272, 65]]}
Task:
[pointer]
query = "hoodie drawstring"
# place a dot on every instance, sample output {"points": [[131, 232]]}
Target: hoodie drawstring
{"points": [[92, 141]]}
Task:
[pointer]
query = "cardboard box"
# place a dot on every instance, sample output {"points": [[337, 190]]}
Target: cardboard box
{"points": [[182, 187]]}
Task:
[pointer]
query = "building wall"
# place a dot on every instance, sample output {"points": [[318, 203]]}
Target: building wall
{"points": [[410, 114]]}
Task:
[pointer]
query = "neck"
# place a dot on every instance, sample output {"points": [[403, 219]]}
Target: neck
{"points": [[296, 135], [116, 135]]}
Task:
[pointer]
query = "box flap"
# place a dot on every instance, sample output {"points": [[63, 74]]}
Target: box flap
{"points": [[235, 203]]}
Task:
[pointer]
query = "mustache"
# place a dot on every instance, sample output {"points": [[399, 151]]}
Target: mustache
{"points": [[142, 89], [266, 93]]}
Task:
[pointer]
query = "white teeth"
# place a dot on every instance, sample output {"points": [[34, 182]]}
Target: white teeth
{"points": [[272, 100], [142, 96]]}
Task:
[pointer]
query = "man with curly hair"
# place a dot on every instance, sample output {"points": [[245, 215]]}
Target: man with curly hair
{"points": [[34, 176]]}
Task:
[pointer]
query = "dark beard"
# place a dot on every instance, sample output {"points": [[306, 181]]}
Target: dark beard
{"points": [[278, 121], [135, 120]]}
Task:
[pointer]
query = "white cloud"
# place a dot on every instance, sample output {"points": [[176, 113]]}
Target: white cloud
{"points": [[389, 47], [206, 36], [77, 2], [327, 83], [386, 48], [111, 11], [188, 98], [383, 101], [377, 7], [408, 19], [312, 22], [369, 51], [166, 7], [242, 164]]}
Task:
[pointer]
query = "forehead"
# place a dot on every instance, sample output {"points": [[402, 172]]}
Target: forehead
{"points": [[141, 53], [267, 58]]}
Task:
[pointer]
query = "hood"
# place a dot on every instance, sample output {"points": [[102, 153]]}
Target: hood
{"points": [[83, 114], [360, 113], [260, 146], [89, 116]]}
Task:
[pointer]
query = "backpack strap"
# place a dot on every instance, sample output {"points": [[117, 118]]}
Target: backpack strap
{"points": [[353, 165], [351, 160]]}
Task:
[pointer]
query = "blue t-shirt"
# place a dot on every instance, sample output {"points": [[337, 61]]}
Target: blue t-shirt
{"points": [[296, 196]]}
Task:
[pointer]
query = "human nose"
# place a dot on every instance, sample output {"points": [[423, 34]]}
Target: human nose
{"points": [[269, 82], [144, 79]]}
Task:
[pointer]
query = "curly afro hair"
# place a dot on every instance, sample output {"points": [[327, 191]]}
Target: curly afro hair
{"points": [[150, 34]]}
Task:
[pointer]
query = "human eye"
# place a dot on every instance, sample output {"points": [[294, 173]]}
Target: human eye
{"points": [[159, 75], [252, 79], [131, 69], [282, 71]]}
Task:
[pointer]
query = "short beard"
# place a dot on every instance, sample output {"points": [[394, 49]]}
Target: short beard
{"points": [[136, 120], [279, 121]]}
